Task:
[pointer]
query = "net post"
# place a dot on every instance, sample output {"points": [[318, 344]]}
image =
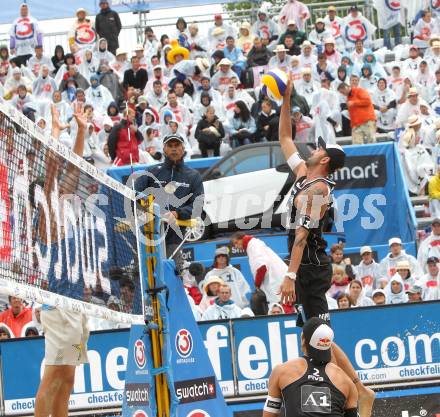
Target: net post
{"points": [[153, 252]]}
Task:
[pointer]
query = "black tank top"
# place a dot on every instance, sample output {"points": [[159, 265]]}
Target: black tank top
{"points": [[314, 252], [313, 395]]}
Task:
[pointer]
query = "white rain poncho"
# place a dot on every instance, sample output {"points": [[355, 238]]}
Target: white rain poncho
{"points": [[383, 98]]}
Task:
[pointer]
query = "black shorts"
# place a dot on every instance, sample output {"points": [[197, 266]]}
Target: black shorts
{"points": [[312, 283]]}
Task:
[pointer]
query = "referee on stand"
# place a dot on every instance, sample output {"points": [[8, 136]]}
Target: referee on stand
{"points": [[312, 386], [177, 189]]}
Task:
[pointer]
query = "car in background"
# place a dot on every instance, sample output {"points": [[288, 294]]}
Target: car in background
{"points": [[247, 189]]}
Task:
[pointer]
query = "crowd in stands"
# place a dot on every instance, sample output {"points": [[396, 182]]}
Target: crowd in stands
{"points": [[205, 87]]}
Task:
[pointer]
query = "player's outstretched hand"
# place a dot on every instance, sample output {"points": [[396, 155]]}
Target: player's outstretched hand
{"points": [[288, 92], [287, 290], [80, 117]]}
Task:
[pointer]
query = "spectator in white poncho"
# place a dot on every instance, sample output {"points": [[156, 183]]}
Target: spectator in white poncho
{"points": [[385, 104], [98, 96], [307, 86], [432, 280], [416, 162], [223, 307], [368, 270], [395, 291], [357, 294], [388, 264], [210, 287], [231, 276], [430, 246]]}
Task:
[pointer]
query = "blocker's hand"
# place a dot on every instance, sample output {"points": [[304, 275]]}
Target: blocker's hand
{"points": [[287, 289]]}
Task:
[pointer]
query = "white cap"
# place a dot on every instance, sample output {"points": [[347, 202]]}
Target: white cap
{"points": [[319, 337], [120, 51], [138, 47], [394, 240], [379, 291], [365, 249]]}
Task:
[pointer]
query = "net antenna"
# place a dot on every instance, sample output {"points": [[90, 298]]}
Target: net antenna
{"points": [[80, 205]]}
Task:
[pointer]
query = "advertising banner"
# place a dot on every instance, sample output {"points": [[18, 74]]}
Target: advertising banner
{"points": [[139, 394], [44, 10], [98, 384], [371, 195], [410, 403], [196, 387], [404, 347]]}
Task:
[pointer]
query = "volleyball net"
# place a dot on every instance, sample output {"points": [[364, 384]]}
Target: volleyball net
{"points": [[66, 239]]}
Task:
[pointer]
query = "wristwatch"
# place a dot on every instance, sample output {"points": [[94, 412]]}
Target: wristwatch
{"points": [[291, 275]]}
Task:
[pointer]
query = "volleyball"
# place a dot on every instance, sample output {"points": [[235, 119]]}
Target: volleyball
{"points": [[274, 84]]}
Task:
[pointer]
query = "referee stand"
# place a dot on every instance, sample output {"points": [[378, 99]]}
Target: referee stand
{"points": [[167, 354]]}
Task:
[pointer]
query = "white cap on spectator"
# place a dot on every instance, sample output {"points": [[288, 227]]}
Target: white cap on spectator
{"points": [[306, 70], [138, 47], [225, 61], [142, 99], [379, 291], [329, 41], [245, 25], [280, 48], [306, 44], [16, 70], [394, 240], [120, 51], [158, 66], [365, 249], [412, 92], [402, 265], [218, 31], [81, 9], [320, 20], [291, 22], [434, 38], [414, 120], [202, 64]]}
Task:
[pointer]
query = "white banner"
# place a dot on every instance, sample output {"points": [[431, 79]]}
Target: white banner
{"points": [[77, 401], [38, 295]]}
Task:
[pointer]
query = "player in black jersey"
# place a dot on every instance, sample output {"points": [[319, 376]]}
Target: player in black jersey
{"points": [[312, 386], [310, 272]]}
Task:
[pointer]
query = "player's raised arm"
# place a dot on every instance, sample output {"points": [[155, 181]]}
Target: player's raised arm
{"points": [[290, 151], [53, 163], [69, 182], [311, 208]]}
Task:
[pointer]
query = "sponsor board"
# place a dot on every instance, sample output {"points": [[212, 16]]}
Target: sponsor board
{"points": [[198, 413], [188, 254], [137, 394], [193, 390], [76, 401], [396, 404], [233, 252], [396, 351], [361, 172]]}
